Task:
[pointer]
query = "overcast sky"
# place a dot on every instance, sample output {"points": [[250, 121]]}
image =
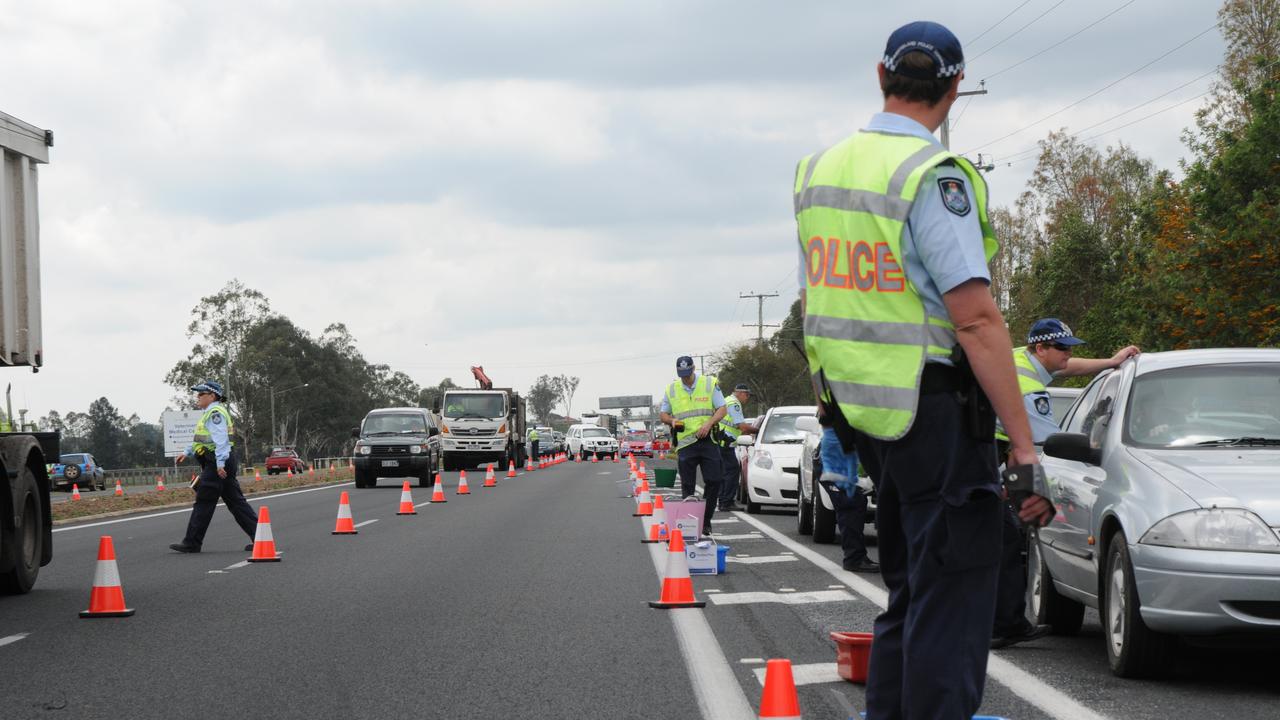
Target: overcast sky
{"points": [[536, 186]]}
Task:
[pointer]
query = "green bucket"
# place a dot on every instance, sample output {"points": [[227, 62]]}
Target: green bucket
{"points": [[664, 477]]}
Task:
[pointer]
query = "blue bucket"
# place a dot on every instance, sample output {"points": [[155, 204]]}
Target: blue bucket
{"points": [[722, 551]]}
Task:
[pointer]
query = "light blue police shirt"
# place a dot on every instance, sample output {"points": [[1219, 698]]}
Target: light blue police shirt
{"points": [[1039, 407], [736, 417], [717, 397], [218, 432], [941, 250]]}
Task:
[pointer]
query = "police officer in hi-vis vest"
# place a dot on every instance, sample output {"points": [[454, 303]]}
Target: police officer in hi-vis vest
{"points": [[732, 426], [895, 241], [1047, 355], [692, 406], [211, 446]]}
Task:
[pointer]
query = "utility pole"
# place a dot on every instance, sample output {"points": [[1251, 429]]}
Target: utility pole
{"points": [[702, 364], [759, 323], [946, 122]]}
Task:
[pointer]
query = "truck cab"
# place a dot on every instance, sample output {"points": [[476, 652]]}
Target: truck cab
{"points": [[481, 426]]}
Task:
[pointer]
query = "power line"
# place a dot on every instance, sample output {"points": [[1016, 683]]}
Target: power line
{"points": [[1060, 42], [1095, 92], [993, 27], [1015, 32]]}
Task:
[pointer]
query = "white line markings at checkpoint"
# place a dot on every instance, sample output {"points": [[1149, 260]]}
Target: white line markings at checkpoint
{"points": [[12, 639], [1048, 699]]}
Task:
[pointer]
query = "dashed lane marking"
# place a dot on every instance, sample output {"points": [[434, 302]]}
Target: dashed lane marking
{"points": [[715, 521], [12, 639], [752, 661], [748, 560], [790, 598], [744, 536], [242, 563], [1050, 700], [366, 522], [251, 499], [810, 674]]}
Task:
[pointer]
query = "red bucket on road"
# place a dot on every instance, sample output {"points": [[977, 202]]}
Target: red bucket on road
{"points": [[853, 653]]}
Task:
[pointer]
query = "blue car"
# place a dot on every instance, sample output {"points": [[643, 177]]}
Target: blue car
{"points": [[77, 469]]}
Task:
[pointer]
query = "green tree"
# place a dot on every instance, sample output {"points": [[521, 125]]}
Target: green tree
{"points": [[106, 434], [565, 387], [775, 370], [542, 397], [430, 397]]}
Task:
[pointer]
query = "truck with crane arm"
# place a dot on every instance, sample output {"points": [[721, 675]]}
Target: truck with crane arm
{"points": [[481, 425]]}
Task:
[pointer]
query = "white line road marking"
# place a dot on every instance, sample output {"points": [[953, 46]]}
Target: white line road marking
{"points": [[712, 590], [187, 510], [1048, 699], [752, 661], [747, 560], [786, 589], [715, 687], [747, 536], [242, 563], [792, 598], [366, 522], [217, 572], [811, 674], [724, 520], [834, 586], [421, 504], [12, 639]]}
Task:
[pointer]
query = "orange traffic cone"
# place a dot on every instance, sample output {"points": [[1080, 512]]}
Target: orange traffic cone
{"points": [[345, 525], [75, 491], [159, 484], [489, 479], [677, 587], [615, 457], [264, 542], [658, 526], [779, 700], [594, 459], [107, 597], [645, 507], [311, 472], [330, 471], [577, 457], [257, 475], [528, 464], [406, 500], [437, 492], [119, 490], [463, 488], [644, 474], [511, 468], [290, 471]]}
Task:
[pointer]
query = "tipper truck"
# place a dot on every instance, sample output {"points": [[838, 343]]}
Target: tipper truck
{"points": [[26, 525], [481, 425]]}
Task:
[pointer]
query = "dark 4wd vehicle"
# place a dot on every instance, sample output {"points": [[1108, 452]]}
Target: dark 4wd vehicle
{"points": [[77, 469], [396, 443], [282, 460]]}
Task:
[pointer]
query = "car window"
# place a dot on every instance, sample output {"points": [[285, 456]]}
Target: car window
{"points": [[395, 423], [782, 429], [1075, 419], [1098, 418], [74, 459], [594, 432], [1205, 404]]}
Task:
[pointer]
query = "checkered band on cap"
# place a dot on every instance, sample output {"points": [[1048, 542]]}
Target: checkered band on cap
{"points": [[1050, 337], [891, 62]]}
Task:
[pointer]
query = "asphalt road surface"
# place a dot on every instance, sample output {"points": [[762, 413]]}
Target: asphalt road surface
{"points": [[527, 600]]}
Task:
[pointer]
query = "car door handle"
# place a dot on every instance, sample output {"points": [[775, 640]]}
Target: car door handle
{"points": [[1096, 482]]}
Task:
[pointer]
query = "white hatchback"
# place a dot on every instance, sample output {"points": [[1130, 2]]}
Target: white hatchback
{"points": [[771, 469]]}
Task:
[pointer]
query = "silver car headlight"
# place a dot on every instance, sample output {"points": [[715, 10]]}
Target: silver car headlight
{"points": [[365, 449], [415, 449], [1214, 529]]}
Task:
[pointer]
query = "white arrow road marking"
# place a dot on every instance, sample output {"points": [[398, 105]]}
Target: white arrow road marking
{"points": [[791, 598], [811, 674]]}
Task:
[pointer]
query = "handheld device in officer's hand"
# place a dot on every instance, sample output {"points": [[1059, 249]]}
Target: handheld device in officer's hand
{"points": [[1023, 481]]}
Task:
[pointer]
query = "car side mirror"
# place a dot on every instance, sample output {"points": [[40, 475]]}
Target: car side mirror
{"points": [[433, 431], [355, 432], [1072, 446], [808, 424], [745, 441]]}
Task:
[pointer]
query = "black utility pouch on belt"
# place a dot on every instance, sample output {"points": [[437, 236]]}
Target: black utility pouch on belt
{"points": [[979, 416]]}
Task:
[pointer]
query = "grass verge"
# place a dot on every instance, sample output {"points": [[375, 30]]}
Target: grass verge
{"points": [[180, 495]]}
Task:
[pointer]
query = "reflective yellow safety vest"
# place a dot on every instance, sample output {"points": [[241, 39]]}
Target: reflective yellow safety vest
{"points": [[726, 423], [533, 436], [866, 328], [202, 442], [693, 408], [1028, 380]]}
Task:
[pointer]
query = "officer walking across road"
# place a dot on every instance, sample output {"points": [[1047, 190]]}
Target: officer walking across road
{"points": [[732, 426], [212, 447], [693, 406], [895, 241], [1047, 355]]}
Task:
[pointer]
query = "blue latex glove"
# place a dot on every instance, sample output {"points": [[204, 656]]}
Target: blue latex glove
{"points": [[848, 487]]}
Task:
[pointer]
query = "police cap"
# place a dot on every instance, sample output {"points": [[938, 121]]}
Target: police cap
{"points": [[212, 386], [928, 38]]}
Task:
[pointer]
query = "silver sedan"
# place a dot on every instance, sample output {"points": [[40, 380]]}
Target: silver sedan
{"points": [[1166, 480]]}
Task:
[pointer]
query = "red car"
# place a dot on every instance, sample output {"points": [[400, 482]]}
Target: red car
{"points": [[282, 460], [637, 443]]}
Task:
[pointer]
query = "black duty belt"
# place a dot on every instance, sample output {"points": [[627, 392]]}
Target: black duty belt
{"points": [[938, 378]]}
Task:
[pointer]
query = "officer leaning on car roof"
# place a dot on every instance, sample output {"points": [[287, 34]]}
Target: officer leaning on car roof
{"points": [[1047, 355]]}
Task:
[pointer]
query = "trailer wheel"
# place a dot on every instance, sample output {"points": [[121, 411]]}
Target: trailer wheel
{"points": [[23, 539]]}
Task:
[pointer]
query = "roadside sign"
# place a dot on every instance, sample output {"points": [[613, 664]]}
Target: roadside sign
{"points": [[179, 428], [626, 401]]}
